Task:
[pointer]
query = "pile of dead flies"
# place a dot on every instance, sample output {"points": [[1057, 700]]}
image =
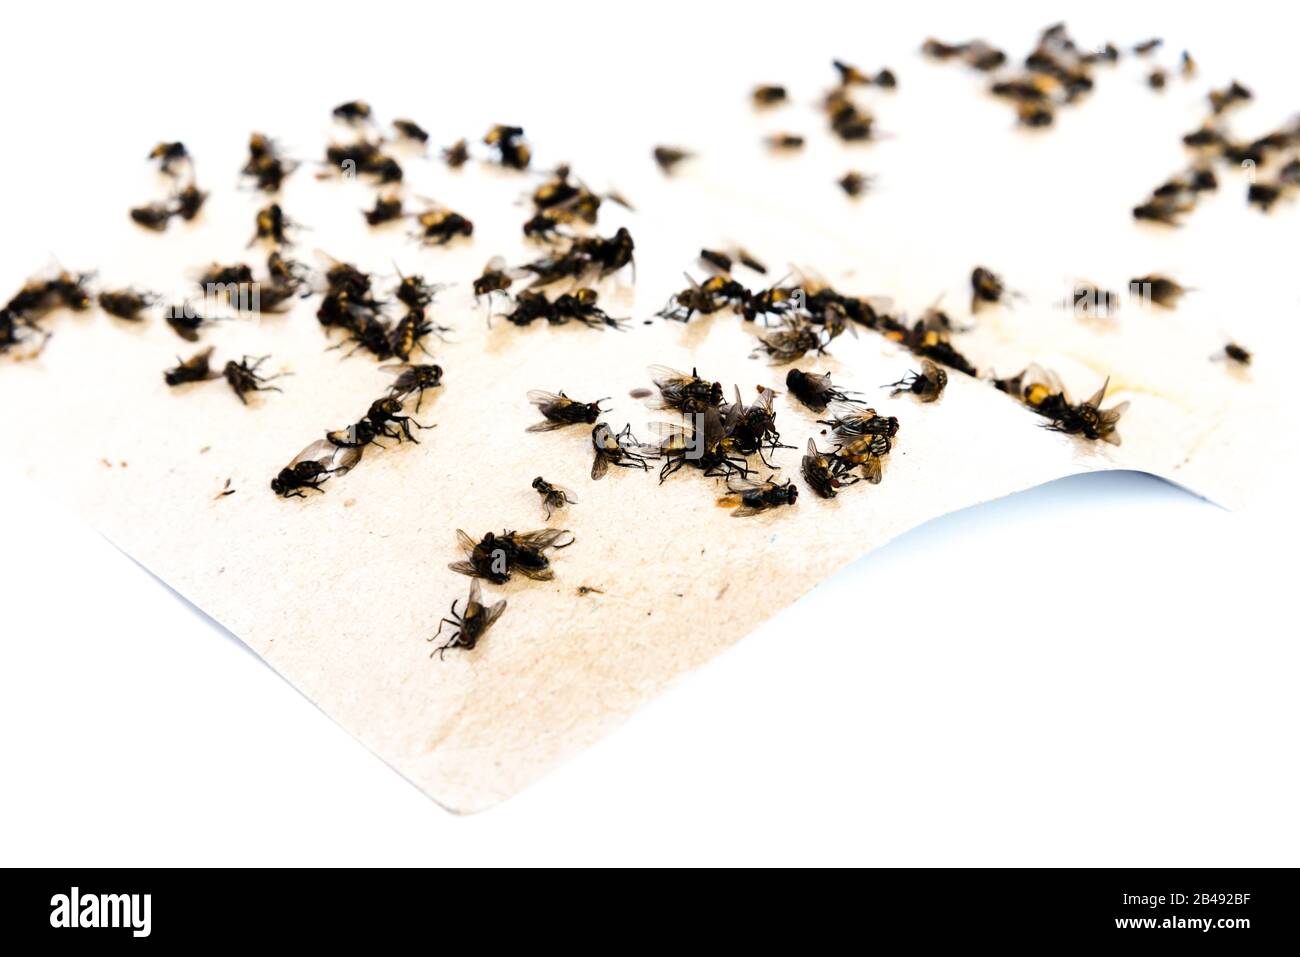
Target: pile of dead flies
{"points": [[721, 436], [1272, 162], [1060, 72]]}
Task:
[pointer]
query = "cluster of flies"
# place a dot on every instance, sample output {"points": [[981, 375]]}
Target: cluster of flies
{"points": [[1272, 162], [341, 450], [804, 317], [21, 323], [719, 443], [350, 303], [578, 260], [564, 210], [1056, 73], [719, 438], [185, 200]]}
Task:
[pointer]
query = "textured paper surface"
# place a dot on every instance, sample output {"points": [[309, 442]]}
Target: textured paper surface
{"points": [[340, 592]]}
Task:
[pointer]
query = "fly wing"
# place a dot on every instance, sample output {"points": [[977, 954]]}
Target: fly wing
{"points": [[491, 613], [1109, 418], [345, 459], [546, 538], [543, 574], [713, 431], [540, 398], [672, 435], [734, 413], [1035, 374], [740, 484], [322, 451], [666, 375], [466, 543], [475, 598], [1099, 395], [850, 411]]}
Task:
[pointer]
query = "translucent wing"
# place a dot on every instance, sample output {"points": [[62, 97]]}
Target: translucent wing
{"points": [[546, 425], [740, 484], [855, 421], [734, 413], [344, 460], [1035, 374], [540, 397], [322, 450], [1099, 395], [546, 538], [672, 433], [475, 598], [1109, 419], [492, 612], [765, 399], [713, 431], [666, 375]]}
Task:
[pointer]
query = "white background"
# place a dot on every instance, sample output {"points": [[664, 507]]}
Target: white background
{"points": [[1135, 705]]}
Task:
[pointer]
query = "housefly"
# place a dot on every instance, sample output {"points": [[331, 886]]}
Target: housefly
{"points": [[126, 303], [748, 497], [553, 496], [825, 472], [469, 626], [497, 557], [849, 420], [927, 385], [416, 379], [197, 368], [558, 411], [312, 467], [243, 377], [667, 158], [814, 390], [685, 392], [622, 450], [411, 130], [1161, 290], [185, 322]]}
